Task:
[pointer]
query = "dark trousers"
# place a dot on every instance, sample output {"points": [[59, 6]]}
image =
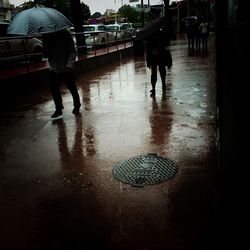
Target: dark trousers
{"points": [[191, 42], [55, 81], [204, 41], [162, 70]]}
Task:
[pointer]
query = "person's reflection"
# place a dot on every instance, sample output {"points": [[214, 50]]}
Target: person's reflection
{"points": [[89, 131], [63, 219], [83, 144], [140, 66], [70, 158], [160, 121]]}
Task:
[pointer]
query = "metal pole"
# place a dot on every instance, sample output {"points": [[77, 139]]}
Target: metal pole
{"points": [[24, 41], [142, 13], [178, 20]]}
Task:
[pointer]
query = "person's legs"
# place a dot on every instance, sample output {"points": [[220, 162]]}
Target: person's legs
{"points": [[203, 42], [162, 70], [56, 95], [153, 78], [189, 41], [206, 37], [192, 41], [70, 82]]}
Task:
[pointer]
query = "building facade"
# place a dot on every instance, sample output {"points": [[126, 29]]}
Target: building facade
{"points": [[5, 10]]}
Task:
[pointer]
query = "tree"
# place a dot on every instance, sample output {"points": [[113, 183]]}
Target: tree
{"points": [[129, 12], [85, 11], [65, 7], [168, 18], [61, 5], [77, 18], [28, 5], [96, 15]]}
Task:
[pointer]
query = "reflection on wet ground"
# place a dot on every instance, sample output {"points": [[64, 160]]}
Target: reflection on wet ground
{"points": [[57, 187]]}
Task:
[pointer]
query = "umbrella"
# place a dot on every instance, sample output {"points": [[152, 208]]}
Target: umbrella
{"points": [[38, 20], [151, 27], [190, 18]]}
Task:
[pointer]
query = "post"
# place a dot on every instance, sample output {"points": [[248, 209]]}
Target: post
{"points": [[168, 18], [142, 13], [138, 44], [75, 6], [178, 18], [24, 41]]}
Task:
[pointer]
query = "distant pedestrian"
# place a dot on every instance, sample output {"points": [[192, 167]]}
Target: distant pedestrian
{"points": [[60, 49], [197, 33], [203, 27], [191, 32], [157, 51]]}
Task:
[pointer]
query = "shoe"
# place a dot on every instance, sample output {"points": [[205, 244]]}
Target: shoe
{"points": [[57, 115], [152, 92], [75, 110]]}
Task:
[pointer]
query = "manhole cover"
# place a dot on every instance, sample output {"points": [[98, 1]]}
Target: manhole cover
{"points": [[145, 170]]}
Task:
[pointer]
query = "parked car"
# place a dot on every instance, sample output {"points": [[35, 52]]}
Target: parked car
{"points": [[14, 48], [120, 32], [130, 28], [97, 34]]}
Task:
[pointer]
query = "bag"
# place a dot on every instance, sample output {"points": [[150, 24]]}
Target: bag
{"points": [[169, 60]]}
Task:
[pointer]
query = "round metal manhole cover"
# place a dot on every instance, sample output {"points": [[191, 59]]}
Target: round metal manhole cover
{"points": [[145, 170]]}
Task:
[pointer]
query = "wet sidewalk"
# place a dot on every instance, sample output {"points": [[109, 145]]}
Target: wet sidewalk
{"points": [[57, 190]]}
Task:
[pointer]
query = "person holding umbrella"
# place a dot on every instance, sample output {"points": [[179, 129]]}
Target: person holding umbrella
{"points": [[60, 50], [58, 47], [157, 52]]}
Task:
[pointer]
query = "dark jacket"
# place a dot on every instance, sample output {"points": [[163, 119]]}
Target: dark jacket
{"points": [[60, 49], [157, 52]]}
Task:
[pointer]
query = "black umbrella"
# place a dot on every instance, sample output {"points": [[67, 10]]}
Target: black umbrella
{"points": [[151, 27]]}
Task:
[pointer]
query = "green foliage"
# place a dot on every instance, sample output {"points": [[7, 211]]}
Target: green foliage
{"points": [[96, 15], [28, 5], [85, 11], [130, 13], [61, 5]]}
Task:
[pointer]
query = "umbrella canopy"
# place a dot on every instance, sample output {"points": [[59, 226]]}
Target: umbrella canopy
{"points": [[38, 20], [151, 27]]}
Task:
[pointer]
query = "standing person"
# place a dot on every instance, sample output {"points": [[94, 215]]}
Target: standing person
{"points": [[157, 52], [60, 49], [190, 33], [204, 34]]}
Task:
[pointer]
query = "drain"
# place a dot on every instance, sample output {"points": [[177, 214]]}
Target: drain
{"points": [[145, 170]]}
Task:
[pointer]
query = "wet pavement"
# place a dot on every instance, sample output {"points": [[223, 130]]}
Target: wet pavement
{"points": [[57, 189]]}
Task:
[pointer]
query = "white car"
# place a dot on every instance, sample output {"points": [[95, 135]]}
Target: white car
{"points": [[97, 34], [130, 28], [13, 48], [120, 31]]}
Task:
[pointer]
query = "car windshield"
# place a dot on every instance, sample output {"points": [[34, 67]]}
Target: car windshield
{"points": [[112, 28], [89, 28], [125, 26]]}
